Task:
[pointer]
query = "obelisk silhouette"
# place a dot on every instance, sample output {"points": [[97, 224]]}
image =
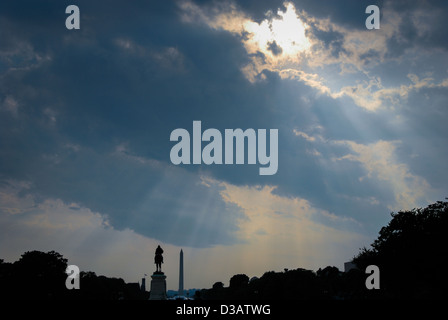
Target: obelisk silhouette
{"points": [[181, 274]]}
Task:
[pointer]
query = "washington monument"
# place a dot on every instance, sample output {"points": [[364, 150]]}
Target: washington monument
{"points": [[181, 274]]}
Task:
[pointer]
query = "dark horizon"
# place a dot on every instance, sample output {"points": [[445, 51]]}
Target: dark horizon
{"points": [[395, 266]]}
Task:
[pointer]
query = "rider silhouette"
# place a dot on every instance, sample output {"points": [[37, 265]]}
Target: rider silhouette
{"points": [[158, 259]]}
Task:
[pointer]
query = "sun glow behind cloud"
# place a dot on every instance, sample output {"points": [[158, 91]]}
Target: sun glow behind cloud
{"points": [[289, 44], [283, 36], [277, 43]]}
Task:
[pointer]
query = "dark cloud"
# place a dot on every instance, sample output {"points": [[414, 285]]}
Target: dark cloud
{"points": [[275, 48], [350, 14], [86, 115], [422, 25], [333, 41], [424, 134], [93, 95]]}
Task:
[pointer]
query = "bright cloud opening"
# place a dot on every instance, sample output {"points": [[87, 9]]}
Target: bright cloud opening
{"points": [[279, 37]]}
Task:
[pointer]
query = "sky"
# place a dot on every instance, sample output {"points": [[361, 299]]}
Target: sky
{"points": [[86, 117]]}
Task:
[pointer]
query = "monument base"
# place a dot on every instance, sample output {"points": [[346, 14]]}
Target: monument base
{"points": [[158, 286]]}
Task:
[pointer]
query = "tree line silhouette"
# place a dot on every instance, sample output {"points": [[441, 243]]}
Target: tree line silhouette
{"points": [[41, 276], [410, 253]]}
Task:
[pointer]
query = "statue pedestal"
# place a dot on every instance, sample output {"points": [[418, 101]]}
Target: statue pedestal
{"points": [[158, 286]]}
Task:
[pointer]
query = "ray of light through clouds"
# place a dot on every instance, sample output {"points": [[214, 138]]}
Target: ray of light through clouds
{"points": [[86, 117]]}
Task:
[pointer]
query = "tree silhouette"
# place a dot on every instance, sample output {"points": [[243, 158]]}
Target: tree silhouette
{"points": [[36, 275], [218, 285], [410, 252], [239, 280]]}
